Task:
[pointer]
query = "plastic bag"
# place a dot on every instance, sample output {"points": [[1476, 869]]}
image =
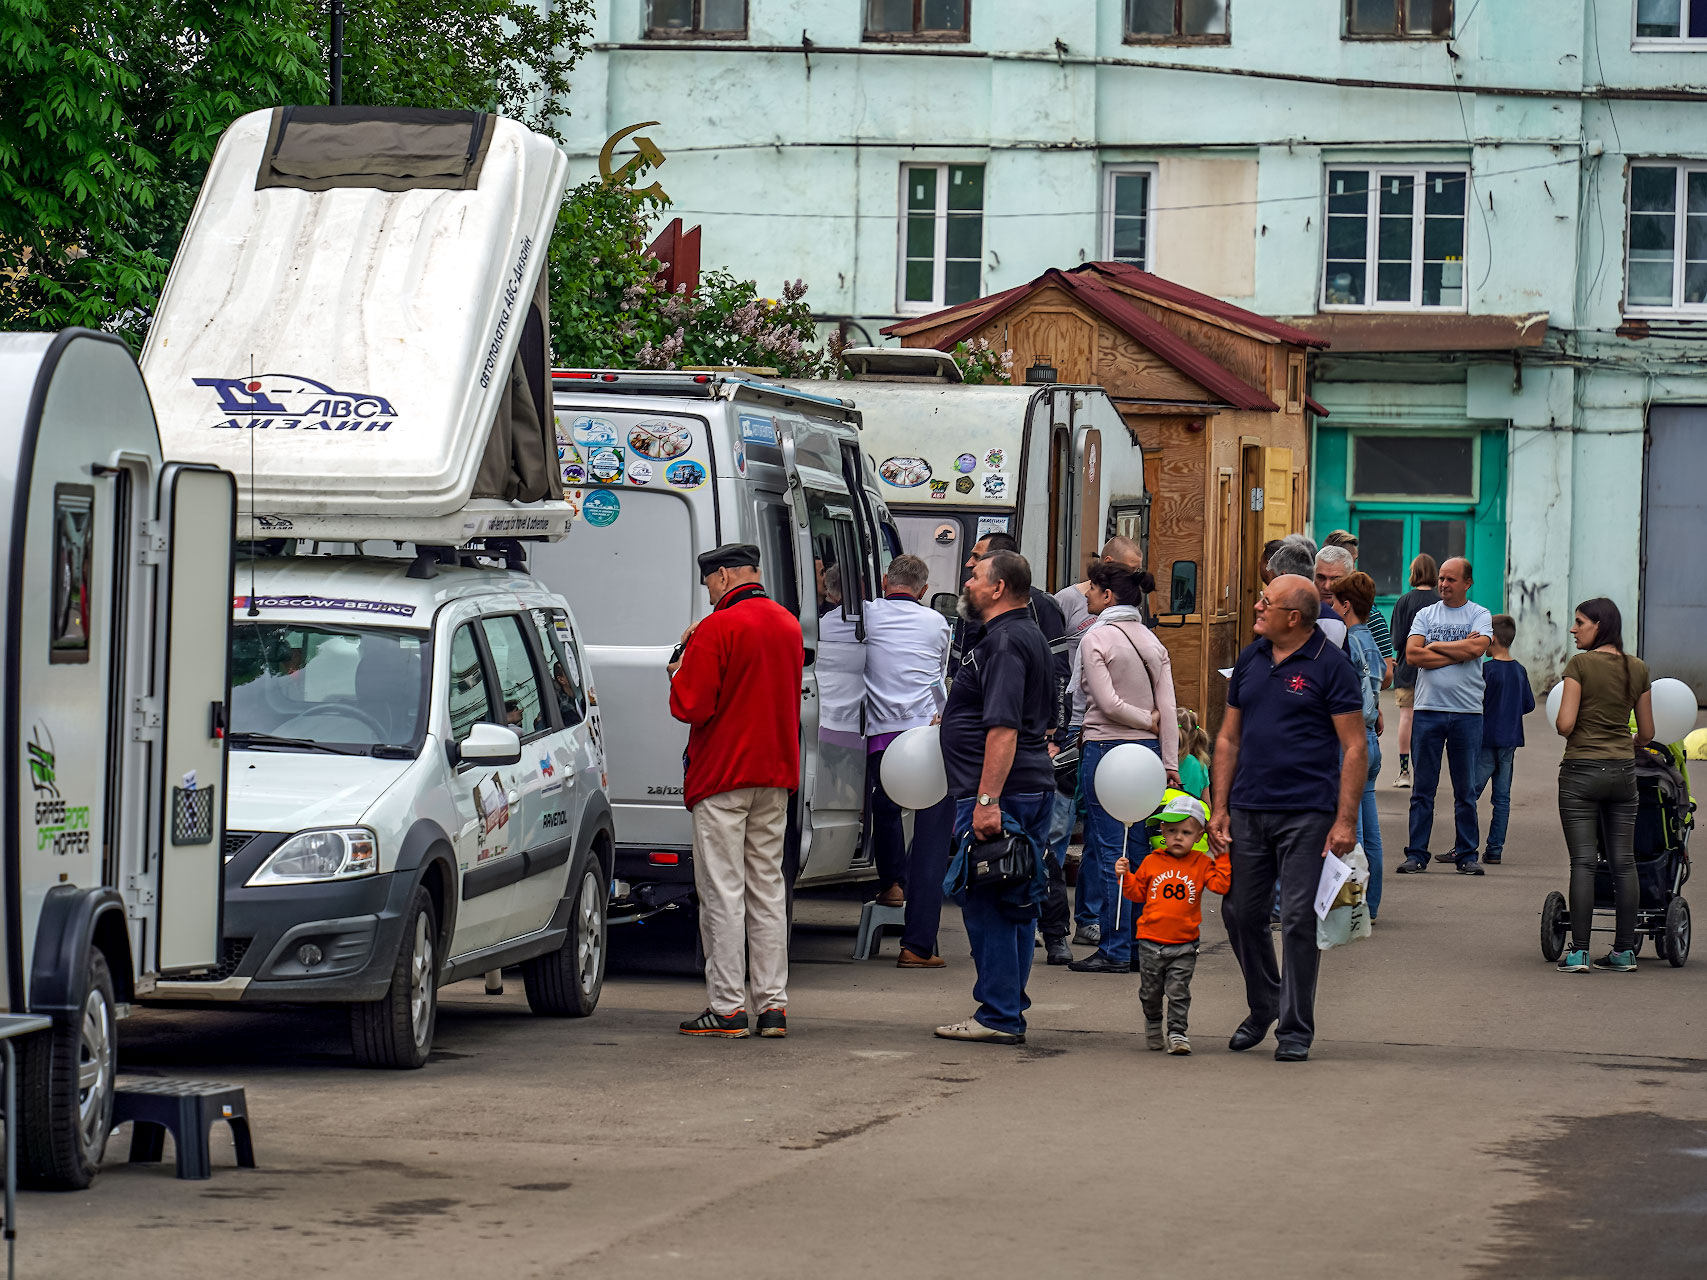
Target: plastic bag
{"points": [[1348, 919]]}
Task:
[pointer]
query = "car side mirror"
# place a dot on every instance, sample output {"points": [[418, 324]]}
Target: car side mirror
{"points": [[947, 603], [490, 744]]}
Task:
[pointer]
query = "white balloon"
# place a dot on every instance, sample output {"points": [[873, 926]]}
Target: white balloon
{"points": [[1130, 781], [1553, 700], [912, 769], [1674, 710]]}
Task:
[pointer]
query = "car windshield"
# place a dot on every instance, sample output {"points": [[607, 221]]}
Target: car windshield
{"points": [[298, 686]]}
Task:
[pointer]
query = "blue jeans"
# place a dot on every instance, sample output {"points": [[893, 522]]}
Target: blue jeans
{"points": [[1459, 734], [1369, 826], [1105, 841], [1496, 763], [1002, 939]]}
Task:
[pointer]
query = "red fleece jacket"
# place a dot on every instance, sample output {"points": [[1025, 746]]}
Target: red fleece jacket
{"points": [[739, 689]]}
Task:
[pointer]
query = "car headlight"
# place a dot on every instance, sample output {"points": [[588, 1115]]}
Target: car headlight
{"points": [[341, 853]]}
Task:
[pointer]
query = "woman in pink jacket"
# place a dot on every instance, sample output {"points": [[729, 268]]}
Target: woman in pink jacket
{"points": [[1129, 697]]}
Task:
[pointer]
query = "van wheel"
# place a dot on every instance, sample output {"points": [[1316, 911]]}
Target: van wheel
{"points": [[566, 983], [397, 1029], [65, 1095]]}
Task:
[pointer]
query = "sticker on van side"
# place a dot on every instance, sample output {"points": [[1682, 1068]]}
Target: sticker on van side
{"points": [[904, 473], [291, 402], [600, 508], [343, 604], [757, 430]]}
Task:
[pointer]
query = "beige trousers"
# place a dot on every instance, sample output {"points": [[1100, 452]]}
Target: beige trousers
{"points": [[743, 905]]}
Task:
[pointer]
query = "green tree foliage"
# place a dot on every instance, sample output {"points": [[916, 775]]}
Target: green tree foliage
{"points": [[609, 309], [109, 114]]}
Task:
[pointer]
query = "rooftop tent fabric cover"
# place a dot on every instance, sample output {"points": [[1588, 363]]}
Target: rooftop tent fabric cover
{"points": [[520, 462], [384, 148]]}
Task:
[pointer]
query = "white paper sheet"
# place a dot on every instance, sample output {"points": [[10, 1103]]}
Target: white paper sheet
{"points": [[1334, 874]]}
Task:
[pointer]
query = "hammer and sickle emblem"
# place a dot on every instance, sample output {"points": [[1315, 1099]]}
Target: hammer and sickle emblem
{"points": [[648, 154]]}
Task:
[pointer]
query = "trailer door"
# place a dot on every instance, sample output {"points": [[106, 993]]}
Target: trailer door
{"points": [[198, 512]]}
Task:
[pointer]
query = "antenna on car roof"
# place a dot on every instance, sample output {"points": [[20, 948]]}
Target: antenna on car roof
{"points": [[254, 609]]}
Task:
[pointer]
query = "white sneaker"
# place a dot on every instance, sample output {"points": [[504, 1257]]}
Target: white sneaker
{"points": [[1404, 778], [972, 1030], [1177, 1043]]}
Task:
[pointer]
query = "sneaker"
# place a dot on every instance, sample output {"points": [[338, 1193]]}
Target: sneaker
{"points": [[972, 1030], [1177, 1043], [1153, 1037], [1617, 962], [773, 1024], [1411, 866], [1089, 935], [1404, 778], [1469, 865], [1575, 962], [710, 1023]]}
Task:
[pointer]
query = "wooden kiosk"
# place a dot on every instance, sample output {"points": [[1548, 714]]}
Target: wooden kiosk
{"points": [[1216, 398]]}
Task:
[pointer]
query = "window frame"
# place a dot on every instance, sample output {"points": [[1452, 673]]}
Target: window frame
{"points": [[1666, 44], [650, 32], [1402, 8], [916, 36], [1111, 171], [1468, 501], [1680, 229], [495, 677], [1128, 36], [1420, 173], [939, 247]]}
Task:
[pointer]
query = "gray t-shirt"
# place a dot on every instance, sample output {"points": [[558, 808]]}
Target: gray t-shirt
{"points": [[1457, 687], [1077, 611]]}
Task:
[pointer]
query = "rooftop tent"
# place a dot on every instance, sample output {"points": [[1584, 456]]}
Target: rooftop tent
{"points": [[355, 325]]}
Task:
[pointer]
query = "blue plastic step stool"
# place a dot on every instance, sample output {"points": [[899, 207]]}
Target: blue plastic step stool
{"points": [[873, 917], [188, 1108]]}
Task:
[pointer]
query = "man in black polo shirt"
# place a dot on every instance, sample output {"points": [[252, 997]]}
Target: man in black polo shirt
{"points": [[993, 751], [1282, 798]]}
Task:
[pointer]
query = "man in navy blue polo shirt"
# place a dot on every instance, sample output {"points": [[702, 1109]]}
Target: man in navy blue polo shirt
{"points": [[1282, 798]]}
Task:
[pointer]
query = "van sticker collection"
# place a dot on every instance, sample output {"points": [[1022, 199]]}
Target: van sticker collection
{"points": [[600, 508], [994, 459], [995, 483], [389, 607], [687, 474], [939, 488], [963, 484], [945, 534], [965, 462], [639, 471], [904, 473], [593, 431], [61, 829], [604, 465], [660, 440], [991, 524], [757, 430], [291, 402]]}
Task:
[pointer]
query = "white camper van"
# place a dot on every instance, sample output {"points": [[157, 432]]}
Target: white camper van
{"points": [[118, 591], [356, 323], [1052, 464], [667, 465]]}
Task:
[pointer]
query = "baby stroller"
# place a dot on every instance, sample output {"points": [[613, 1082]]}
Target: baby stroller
{"points": [[1665, 814]]}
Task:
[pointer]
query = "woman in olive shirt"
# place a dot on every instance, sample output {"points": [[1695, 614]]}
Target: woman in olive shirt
{"points": [[1597, 779]]}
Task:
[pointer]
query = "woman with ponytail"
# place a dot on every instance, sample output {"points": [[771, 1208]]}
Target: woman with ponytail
{"points": [[1603, 687]]}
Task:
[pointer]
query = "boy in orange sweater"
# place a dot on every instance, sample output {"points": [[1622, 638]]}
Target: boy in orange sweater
{"points": [[1170, 885]]}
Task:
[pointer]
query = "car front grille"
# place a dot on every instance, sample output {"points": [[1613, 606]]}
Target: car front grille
{"points": [[235, 840], [230, 956]]}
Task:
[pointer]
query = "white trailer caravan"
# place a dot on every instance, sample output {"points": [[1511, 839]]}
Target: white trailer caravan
{"points": [[118, 588], [667, 465], [356, 323], [1052, 464]]}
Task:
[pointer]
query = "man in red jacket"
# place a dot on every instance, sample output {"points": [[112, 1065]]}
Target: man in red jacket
{"points": [[737, 684]]}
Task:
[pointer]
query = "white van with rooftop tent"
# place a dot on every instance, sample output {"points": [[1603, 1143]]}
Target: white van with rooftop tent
{"points": [[356, 325]]}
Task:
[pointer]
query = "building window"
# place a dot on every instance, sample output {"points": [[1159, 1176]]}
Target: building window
{"points": [[1667, 267], [1128, 214], [1395, 239], [918, 19], [677, 19], [942, 235], [1176, 21], [1398, 19], [1401, 467], [1671, 20]]}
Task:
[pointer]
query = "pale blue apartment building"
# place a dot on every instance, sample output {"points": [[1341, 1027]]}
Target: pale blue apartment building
{"points": [[1495, 209]]}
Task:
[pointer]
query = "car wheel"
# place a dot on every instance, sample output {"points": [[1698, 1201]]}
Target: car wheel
{"points": [[65, 1097], [396, 1030], [566, 983]]}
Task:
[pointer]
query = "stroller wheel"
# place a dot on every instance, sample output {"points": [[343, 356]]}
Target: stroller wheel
{"points": [[1636, 949], [1553, 914], [1677, 933]]}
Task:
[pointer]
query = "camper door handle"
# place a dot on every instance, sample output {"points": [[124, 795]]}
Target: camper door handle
{"points": [[515, 797]]}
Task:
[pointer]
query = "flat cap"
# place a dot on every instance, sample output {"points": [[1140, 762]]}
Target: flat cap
{"points": [[731, 555]]}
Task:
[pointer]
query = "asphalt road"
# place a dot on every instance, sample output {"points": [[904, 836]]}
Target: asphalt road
{"points": [[1466, 1112]]}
